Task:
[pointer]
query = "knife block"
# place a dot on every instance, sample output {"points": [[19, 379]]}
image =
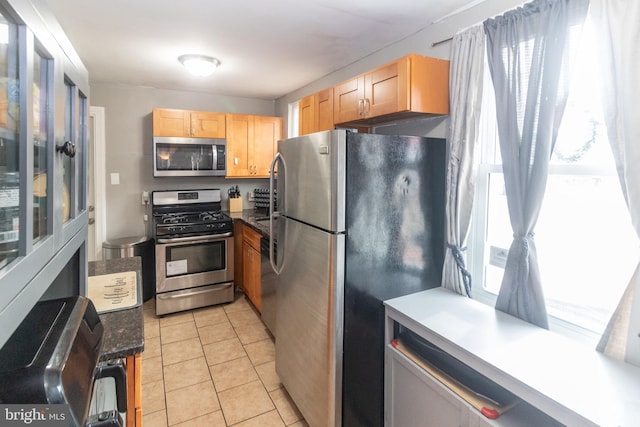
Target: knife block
{"points": [[235, 204]]}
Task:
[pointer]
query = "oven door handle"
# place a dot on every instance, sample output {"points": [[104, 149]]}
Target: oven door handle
{"points": [[192, 293], [203, 239]]}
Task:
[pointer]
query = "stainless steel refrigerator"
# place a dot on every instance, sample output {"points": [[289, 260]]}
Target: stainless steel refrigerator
{"points": [[360, 220]]}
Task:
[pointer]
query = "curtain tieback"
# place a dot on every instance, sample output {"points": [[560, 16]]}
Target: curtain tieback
{"points": [[524, 240], [527, 236], [466, 276]]}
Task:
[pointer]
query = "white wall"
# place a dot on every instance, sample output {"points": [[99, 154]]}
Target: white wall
{"points": [[129, 148]]}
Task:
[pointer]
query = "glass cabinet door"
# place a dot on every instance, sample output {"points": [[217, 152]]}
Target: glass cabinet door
{"points": [[43, 137], [82, 149], [41, 86], [75, 118], [9, 128], [70, 112]]}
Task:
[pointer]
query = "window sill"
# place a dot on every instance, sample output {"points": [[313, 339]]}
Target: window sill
{"points": [[570, 331], [570, 382]]}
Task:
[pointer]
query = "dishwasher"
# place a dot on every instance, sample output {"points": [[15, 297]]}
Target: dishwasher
{"points": [[268, 283]]}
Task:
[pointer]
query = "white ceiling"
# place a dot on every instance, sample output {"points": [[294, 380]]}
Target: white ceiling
{"points": [[268, 48]]}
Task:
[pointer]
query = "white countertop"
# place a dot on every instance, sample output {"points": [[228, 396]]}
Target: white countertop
{"points": [[570, 382]]}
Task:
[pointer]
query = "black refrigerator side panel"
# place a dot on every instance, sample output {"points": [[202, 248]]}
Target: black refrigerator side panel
{"points": [[394, 247]]}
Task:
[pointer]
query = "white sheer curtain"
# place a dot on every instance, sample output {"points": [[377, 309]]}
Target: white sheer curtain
{"points": [[465, 86], [617, 25], [527, 51]]}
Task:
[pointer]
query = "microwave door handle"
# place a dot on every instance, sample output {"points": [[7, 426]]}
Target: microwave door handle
{"points": [[214, 157], [272, 213]]}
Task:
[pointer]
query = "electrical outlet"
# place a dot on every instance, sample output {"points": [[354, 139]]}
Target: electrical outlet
{"points": [[145, 198], [251, 196]]}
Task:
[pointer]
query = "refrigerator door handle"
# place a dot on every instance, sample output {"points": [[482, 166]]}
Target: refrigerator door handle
{"points": [[272, 213]]}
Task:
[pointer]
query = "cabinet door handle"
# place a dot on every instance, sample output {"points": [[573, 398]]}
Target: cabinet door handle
{"points": [[361, 107], [367, 106]]}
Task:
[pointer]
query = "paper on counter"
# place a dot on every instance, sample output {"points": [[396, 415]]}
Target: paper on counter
{"points": [[117, 291]]}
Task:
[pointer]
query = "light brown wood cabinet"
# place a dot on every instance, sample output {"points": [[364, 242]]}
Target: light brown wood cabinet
{"points": [[307, 115], [315, 112], [186, 123], [238, 232], [251, 144], [134, 390], [251, 264], [411, 85]]}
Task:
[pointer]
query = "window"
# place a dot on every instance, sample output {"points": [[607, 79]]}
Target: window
{"points": [[587, 248], [294, 118]]}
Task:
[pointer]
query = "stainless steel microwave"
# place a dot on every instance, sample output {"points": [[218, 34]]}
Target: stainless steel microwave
{"points": [[175, 156]]}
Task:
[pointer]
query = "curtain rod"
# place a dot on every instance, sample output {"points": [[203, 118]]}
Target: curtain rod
{"points": [[441, 41]]}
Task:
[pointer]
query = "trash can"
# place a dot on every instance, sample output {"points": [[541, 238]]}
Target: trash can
{"points": [[128, 247]]}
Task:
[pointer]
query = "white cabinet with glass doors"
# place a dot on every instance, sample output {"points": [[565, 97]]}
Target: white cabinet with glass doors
{"points": [[43, 138]]}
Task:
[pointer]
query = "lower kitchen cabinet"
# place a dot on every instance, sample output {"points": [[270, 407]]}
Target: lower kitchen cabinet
{"points": [[238, 231], [449, 360], [415, 397], [134, 390], [251, 266]]}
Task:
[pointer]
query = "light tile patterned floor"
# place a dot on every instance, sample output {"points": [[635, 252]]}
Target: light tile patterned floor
{"points": [[212, 367]]}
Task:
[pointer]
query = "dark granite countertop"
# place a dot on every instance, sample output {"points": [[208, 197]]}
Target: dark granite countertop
{"points": [[123, 329], [123, 333], [249, 217]]}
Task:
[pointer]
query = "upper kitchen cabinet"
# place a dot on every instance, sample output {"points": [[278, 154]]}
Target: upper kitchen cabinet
{"points": [[316, 112], [410, 86], [44, 89], [307, 115], [185, 123], [251, 144]]}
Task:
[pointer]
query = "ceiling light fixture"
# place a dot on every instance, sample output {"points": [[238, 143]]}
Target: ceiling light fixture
{"points": [[199, 65]]}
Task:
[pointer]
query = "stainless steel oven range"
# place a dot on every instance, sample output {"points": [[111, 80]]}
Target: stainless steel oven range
{"points": [[194, 250]]}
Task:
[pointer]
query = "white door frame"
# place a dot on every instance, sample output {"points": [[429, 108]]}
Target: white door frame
{"points": [[98, 180]]}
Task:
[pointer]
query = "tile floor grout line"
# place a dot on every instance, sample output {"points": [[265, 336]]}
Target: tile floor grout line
{"points": [[215, 389], [239, 324]]}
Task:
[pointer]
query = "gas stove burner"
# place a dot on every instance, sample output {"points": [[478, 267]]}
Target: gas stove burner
{"points": [[206, 223], [192, 217], [211, 216], [188, 214], [173, 218]]}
